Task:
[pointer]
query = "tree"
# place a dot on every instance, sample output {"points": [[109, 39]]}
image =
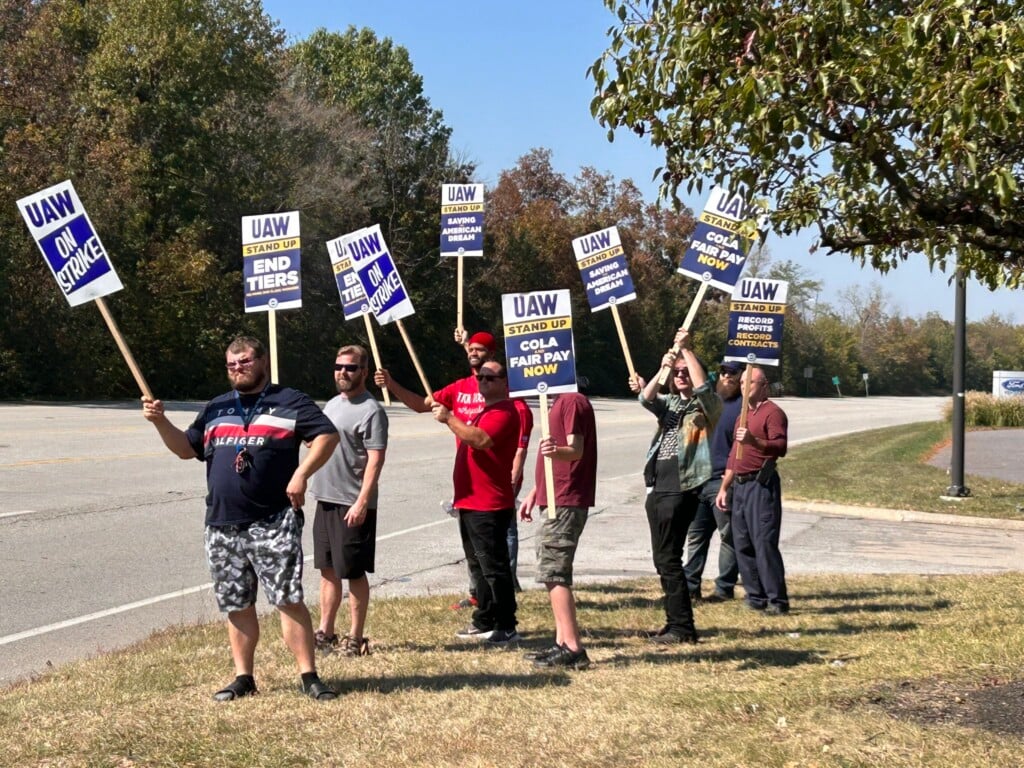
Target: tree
{"points": [[891, 127]]}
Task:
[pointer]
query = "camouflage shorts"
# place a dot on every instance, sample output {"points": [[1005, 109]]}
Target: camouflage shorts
{"points": [[556, 545], [267, 552]]}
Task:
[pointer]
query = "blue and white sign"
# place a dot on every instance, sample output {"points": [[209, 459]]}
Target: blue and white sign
{"points": [[462, 220], [375, 267], [271, 255], [353, 298], [756, 312], [602, 264], [72, 249], [538, 343], [1007, 383], [718, 251]]}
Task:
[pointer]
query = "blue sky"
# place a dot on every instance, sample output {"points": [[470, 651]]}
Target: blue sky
{"points": [[511, 76]]}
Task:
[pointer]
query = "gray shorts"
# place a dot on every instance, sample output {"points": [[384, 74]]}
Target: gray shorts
{"points": [[556, 546], [267, 552]]}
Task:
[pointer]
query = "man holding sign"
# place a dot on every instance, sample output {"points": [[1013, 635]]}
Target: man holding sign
{"points": [[485, 501], [678, 465], [757, 497], [572, 447], [249, 439]]}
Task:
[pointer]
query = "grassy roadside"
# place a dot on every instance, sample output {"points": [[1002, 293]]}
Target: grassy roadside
{"points": [[866, 671], [886, 468]]}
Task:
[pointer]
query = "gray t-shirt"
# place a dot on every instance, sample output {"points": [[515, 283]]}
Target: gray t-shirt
{"points": [[363, 425]]}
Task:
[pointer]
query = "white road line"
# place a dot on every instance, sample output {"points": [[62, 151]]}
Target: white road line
{"points": [[29, 633], [19, 512]]}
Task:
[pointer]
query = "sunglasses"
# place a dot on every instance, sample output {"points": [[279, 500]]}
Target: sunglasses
{"points": [[723, 372], [680, 372], [488, 377], [240, 364], [350, 367]]}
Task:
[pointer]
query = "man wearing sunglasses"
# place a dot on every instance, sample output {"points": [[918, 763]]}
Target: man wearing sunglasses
{"points": [[709, 517], [462, 397], [485, 502], [678, 464], [249, 439], [345, 489]]}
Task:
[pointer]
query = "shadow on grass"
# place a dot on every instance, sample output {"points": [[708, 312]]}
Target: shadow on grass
{"points": [[829, 610], [618, 604], [863, 594], [746, 657], [444, 682]]}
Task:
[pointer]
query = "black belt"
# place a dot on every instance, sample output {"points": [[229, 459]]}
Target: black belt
{"points": [[746, 478]]}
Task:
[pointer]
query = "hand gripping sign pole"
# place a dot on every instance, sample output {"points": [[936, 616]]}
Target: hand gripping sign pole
{"points": [[353, 298], [725, 232], [540, 354], [602, 264], [72, 250], [462, 231], [756, 315], [272, 274], [378, 275]]}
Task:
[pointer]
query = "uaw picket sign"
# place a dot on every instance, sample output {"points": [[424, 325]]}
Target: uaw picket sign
{"points": [[602, 264], [538, 342], [61, 228], [718, 250], [271, 252], [375, 267], [462, 220], [354, 303], [756, 312]]}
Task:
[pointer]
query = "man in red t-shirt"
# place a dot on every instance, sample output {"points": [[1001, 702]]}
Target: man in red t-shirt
{"points": [[484, 500], [572, 447], [462, 397]]}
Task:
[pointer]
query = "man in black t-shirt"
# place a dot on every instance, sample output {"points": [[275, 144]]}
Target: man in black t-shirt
{"points": [[249, 438]]}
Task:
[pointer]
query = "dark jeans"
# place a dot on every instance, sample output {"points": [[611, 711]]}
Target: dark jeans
{"points": [[669, 516], [485, 543], [513, 560], [710, 518], [756, 523]]}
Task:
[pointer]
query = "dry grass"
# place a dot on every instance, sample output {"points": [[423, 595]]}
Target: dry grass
{"points": [[816, 688], [886, 468]]}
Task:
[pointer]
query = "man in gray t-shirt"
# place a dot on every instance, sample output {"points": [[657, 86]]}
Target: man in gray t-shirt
{"points": [[345, 526]]}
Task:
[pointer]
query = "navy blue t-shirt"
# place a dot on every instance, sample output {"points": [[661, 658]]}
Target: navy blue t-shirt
{"points": [[283, 419], [721, 438]]}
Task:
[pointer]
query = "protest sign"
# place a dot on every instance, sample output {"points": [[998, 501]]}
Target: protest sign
{"points": [[756, 312], [602, 265], [538, 342], [385, 294], [462, 220], [606, 278], [720, 243], [353, 298], [272, 261], [61, 228]]}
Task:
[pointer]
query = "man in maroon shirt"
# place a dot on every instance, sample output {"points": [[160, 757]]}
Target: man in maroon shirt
{"points": [[485, 501], [572, 447], [757, 497]]}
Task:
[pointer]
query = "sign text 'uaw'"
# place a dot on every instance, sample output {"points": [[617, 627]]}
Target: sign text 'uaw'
{"points": [[602, 265], [378, 274], [538, 342], [272, 266], [61, 228], [462, 220], [718, 250], [756, 313]]}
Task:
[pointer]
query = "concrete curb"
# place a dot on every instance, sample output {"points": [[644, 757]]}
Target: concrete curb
{"points": [[900, 515]]}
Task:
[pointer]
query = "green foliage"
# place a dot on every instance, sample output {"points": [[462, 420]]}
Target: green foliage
{"points": [[889, 127]]}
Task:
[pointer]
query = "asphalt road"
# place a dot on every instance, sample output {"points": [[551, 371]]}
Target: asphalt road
{"points": [[101, 528]]}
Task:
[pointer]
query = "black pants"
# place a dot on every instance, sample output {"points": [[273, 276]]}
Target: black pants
{"points": [[669, 516], [756, 524], [485, 540]]}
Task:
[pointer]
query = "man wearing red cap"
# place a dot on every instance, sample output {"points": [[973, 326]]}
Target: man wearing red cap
{"points": [[463, 399]]}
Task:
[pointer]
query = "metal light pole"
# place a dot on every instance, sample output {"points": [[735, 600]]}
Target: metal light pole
{"points": [[956, 470]]}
